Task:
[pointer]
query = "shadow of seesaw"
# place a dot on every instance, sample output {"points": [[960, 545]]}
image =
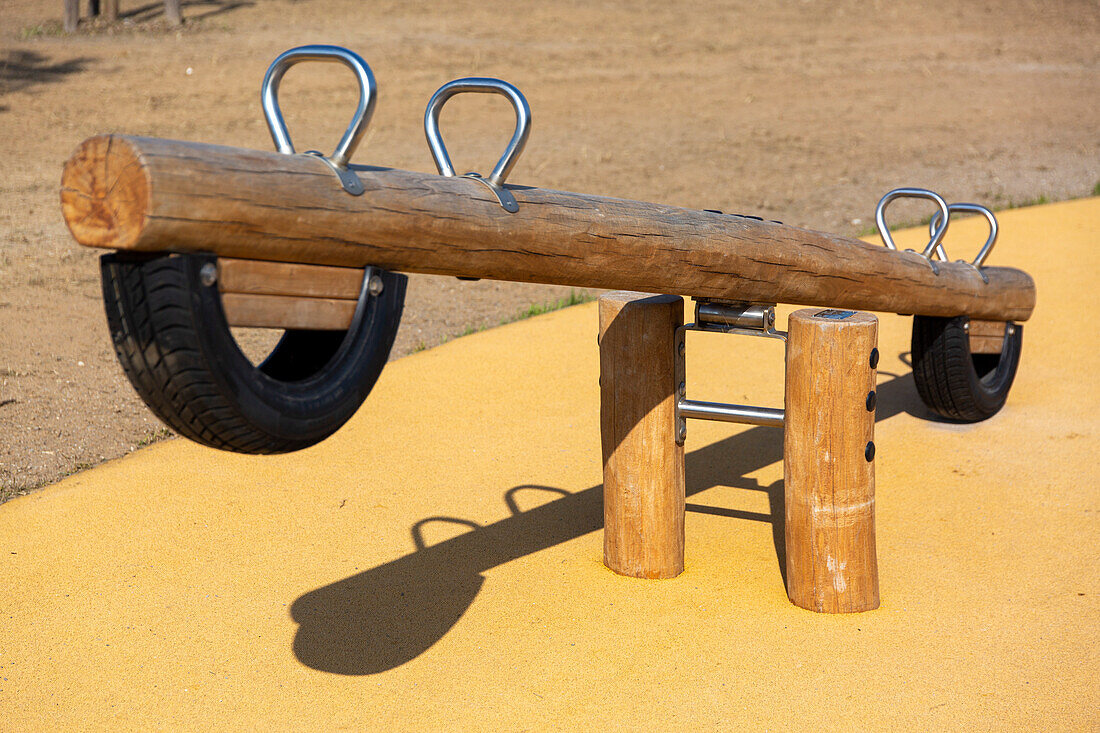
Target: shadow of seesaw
{"points": [[381, 618]]}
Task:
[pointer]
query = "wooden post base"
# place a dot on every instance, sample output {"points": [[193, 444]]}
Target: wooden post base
{"points": [[643, 467], [828, 460]]}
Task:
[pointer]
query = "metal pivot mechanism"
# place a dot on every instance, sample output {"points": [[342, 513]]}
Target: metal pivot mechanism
{"points": [[368, 93], [480, 85], [935, 243], [746, 319]]}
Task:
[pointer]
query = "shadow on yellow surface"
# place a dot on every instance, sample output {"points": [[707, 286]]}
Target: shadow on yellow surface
{"points": [[386, 616]]}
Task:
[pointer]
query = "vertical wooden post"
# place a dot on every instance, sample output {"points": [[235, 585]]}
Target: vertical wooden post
{"points": [[71, 18], [643, 467], [172, 13], [110, 10], [828, 460]]}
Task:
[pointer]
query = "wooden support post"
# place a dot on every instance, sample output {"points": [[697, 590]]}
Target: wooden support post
{"points": [[110, 10], [71, 18], [172, 13], [643, 467], [828, 460]]}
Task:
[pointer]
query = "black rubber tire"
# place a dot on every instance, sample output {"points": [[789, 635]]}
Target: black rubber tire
{"points": [[954, 383], [173, 341]]}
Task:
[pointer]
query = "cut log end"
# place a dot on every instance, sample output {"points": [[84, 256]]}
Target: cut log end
{"points": [[105, 193]]}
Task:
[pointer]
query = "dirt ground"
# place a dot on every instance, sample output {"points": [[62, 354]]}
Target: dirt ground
{"points": [[805, 112]]}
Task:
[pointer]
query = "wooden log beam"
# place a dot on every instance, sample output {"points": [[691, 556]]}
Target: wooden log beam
{"points": [[151, 194]]}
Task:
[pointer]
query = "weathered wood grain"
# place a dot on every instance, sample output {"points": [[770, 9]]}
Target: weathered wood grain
{"points": [[987, 337], [643, 466], [828, 462], [276, 311], [283, 278], [151, 194]]}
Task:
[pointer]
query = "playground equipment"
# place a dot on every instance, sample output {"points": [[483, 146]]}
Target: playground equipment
{"points": [[209, 237]]}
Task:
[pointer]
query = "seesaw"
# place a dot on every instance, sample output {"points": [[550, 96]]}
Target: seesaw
{"points": [[207, 237]]}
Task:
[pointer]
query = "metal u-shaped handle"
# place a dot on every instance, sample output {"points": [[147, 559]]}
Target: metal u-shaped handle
{"points": [[934, 244], [973, 209], [368, 94], [480, 85]]}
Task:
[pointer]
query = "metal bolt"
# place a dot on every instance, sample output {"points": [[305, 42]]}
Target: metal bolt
{"points": [[872, 398], [869, 451], [682, 348], [1011, 329], [966, 326], [374, 287], [874, 358], [682, 432], [208, 274], [682, 389]]}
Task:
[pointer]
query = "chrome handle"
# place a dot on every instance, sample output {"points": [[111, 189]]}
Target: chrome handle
{"points": [[368, 93], [934, 244], [974, 209], [479, 85]]}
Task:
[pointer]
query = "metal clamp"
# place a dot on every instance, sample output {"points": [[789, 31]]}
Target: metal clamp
{"points": [[368, 93], [935, 243], [480, 85], [747, 319], [989, 242]]}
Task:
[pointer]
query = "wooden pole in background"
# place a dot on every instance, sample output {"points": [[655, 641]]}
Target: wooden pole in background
{"points": [[172, 13], [828, 460], [643, 467], [71, 18], [110, 10]]}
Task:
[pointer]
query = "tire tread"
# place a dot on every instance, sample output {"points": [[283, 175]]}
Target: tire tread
{"points": [[154, 339]]}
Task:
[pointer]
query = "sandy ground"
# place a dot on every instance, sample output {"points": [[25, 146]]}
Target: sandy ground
{"points": [[805, 112], [436, 565]]}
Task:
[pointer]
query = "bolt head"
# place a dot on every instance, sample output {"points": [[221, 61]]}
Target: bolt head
{"points": [[208, 274], [374, 287]]}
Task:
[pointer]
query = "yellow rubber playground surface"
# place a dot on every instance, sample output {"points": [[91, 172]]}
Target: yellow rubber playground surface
{"points": [[437, 564]]}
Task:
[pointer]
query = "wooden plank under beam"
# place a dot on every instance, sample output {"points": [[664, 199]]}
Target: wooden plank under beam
{"points": [[276, 311], [987, 337], [257, 277]]}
